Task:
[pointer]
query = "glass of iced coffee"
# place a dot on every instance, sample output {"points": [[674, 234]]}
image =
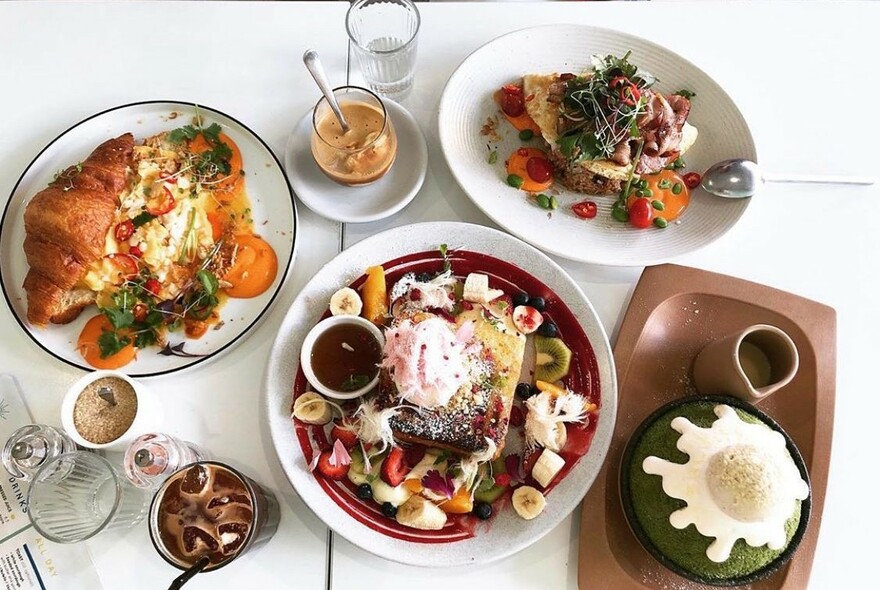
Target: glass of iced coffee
{"points": [[209, 509], [361, 155]]}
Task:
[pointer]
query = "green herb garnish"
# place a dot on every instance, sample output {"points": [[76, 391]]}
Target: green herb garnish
{"points": [[354, 382]]}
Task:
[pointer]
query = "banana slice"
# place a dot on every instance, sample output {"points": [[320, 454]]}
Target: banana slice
{"points": [[560, 437], [548, 466], [528, 502], [346, 301], [312, 408], [382, 492], [419, 513], [476, 289]]}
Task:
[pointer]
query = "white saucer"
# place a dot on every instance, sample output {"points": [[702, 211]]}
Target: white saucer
{"points": [[384, 197]]}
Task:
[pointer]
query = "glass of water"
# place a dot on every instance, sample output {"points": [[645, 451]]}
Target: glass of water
{"points": [[77, 495], [384, 34]]}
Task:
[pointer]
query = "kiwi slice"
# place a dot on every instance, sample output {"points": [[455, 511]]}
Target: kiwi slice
{"points": [[552, 359], [488, 491]]}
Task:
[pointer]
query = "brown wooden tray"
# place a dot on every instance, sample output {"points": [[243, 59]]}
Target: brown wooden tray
{"points": [[674, 312]]}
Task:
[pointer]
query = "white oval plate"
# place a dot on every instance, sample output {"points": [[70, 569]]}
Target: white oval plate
{"points": [[383, 198], [273, 209], [467, 103], [507, 533]]}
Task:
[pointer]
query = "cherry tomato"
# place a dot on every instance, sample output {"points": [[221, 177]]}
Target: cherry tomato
{"points": [[512, 104], [692, 179], [135, 251], [124, 266], [539, 169], [153, 286], [641, 212], [140, 312], [124, 230], [162, 203], [585, 209]]}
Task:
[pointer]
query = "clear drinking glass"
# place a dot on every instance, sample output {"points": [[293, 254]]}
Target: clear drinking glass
{"points": [[77, 495], [364, 153], [211, 509], [151, 458], [29, 447], [384, 34]]}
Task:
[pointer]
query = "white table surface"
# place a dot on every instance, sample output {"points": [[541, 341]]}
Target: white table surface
{"points": [[802, 73]]}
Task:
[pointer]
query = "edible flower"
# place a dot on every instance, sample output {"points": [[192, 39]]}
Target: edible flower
{"points": [[439, 484], [340, 455], [547, 412]]}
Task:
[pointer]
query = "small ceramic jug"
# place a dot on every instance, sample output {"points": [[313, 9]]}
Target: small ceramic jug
{"points": [[750, 364]]}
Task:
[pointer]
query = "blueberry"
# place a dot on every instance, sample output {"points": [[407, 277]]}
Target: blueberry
{"points": [[364, 491], [483, 510], [520, 299], [548, 329], [523, 391], [538, 303], [389, 509]]}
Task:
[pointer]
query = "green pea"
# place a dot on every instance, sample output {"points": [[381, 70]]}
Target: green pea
{"points": [[647, 192], [676, 188], [493, 156], [543, 201], [526, 134], [553, 203], [514, 180], [643, 184], [660, 222], [679, 163], [664, 184], [620, 213], [658, 205]]}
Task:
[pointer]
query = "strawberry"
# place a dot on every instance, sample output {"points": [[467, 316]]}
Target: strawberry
{"points": [[347, 437], [337, 472], [502, 479], [413, 454], [394, 469]]}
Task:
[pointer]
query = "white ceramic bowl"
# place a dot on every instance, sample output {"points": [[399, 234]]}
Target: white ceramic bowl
{"points": [[148, 417], [305, 355]]}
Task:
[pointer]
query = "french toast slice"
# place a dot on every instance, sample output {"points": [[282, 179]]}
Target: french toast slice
{"points": [[480, 408]]}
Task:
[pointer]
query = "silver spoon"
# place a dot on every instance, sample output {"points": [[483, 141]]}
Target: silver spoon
{"points": [[737, 179], [313, 65]]}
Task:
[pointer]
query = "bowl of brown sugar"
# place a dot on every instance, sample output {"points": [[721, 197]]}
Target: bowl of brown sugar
{"points": [[107, 410]]}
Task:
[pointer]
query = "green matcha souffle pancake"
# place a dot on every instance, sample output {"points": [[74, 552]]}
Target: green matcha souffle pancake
{"points": [[715, 490]]}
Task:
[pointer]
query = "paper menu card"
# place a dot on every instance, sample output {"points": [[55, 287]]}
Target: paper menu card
{"points": [[27, 560]]}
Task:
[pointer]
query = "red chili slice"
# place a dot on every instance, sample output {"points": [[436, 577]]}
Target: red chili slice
{"points": [[125, 265], [585, 209], [124, 230], [135, 251], [140, 312], [539, 169], [161, 204], [692, 179], [511, 89]]}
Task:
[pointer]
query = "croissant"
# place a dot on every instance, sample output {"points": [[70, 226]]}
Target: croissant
{"points": [[65, 227]]}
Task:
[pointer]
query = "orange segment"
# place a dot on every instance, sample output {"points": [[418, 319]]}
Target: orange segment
{"points": [[375, 296], [88, 346], [460, 503], [414, 485], [550, 388]]}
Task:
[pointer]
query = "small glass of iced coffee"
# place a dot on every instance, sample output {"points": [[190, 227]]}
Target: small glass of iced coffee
{"points": [[363, 154], [209, 509]]}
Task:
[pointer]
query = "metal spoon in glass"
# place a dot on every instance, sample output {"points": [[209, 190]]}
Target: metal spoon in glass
{"points": [[737, 179], [313, 65]]}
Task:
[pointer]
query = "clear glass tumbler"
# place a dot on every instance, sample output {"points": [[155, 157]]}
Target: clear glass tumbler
{"points": [[77, 495], [363, 154], [384, 34], [31, 446]]}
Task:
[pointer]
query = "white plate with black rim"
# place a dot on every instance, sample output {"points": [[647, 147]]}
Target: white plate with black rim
{"points": [[467, 103], [510, 264], [273, 211]]}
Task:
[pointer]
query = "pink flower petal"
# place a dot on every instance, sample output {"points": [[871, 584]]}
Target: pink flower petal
{"points": [[339, 456]]}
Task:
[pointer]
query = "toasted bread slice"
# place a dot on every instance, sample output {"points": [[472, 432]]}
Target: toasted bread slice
{"points": [[478, 410]]}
